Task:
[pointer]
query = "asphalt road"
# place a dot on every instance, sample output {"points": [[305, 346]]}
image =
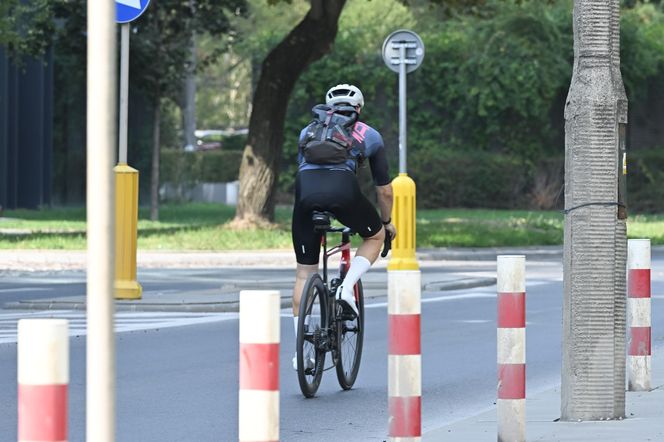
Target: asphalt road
{"points": [[178, 380]]}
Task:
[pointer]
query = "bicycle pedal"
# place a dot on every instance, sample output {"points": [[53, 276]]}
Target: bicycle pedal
{"points": [[346, 316], [347, 313], [334, 285]]}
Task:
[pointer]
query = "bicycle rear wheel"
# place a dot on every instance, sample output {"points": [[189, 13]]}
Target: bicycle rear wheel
{"points": [[350, 337], [311, 333]]}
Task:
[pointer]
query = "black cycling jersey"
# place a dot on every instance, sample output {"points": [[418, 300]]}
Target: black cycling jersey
{"points": [[367, 142]]}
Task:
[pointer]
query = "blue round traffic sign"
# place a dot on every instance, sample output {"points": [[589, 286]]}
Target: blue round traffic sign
{"points": [[129, 10]]}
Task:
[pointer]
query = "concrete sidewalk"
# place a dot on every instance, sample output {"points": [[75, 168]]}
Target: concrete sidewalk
{"points": [[644, 420], [35, 260]]}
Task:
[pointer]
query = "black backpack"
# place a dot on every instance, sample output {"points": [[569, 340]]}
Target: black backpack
{"points": [[328, 139]]}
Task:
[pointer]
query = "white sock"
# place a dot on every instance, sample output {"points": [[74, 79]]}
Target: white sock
{"points": [[295, 318], [358, 267]]}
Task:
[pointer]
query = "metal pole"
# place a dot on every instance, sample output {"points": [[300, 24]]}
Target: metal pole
{"points": [[101, 145], [124, 92], [402, 108]]}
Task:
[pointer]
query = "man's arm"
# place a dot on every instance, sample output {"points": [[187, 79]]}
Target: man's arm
{"points": [[385, 201], [381, 177], [385, 197]]}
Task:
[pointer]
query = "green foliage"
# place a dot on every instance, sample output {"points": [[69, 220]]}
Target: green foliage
{"points": [[494, 81], [160, 45], [181, 167], [25, 27], [491, 81], [642, 46], [488, 97], [645, 175], [488, 80], [468, 179], [355, 58]]}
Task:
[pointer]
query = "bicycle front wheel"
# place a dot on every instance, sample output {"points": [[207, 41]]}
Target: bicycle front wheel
{"points": [[350, 337], [311, 335]]}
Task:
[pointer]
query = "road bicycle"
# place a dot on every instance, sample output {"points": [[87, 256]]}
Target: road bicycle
{"points": [[323, 324]]}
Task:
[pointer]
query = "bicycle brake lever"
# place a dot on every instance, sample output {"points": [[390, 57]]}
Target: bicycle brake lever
{"points": [[387, 245]]}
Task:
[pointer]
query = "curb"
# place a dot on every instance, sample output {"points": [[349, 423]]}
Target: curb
{"points": [[228, 306], [123, 306], [489, 254], [468, 283]]}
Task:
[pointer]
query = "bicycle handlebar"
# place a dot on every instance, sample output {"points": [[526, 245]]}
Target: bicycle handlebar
{"points": [[387, 245]]}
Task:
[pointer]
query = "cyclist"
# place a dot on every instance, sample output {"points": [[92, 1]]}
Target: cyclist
{"points": [[334, 188]]}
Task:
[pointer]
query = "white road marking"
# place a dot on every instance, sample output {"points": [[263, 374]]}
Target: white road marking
{"points": [[26, 289], [476, 295], [124, 321], [43, 280]]}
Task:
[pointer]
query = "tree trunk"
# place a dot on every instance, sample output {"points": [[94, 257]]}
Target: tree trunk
{"points": [[156, 142], [189, 98], [307, 42]]}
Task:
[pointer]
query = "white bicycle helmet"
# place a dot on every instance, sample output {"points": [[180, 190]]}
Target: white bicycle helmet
{"points": [[344, 93]]}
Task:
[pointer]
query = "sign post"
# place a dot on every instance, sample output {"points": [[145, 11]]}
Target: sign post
{"points": [[126, 178], [403, 52]]}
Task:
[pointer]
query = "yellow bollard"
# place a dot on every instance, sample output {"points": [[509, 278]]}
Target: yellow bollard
{"points": [[403, 216], [126, 226]]}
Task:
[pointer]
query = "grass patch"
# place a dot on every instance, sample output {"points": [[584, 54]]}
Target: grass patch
{"points": [[646, 226], [488, 228], [199, 226], [195, 226]]}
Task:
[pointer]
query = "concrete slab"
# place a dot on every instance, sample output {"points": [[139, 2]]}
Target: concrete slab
{"points": [[644, 420]]}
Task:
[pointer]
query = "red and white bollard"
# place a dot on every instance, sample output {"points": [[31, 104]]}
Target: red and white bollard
{"points": [[404, 370], [259, 365], [638, 314], [43, 377], [511, 359]]}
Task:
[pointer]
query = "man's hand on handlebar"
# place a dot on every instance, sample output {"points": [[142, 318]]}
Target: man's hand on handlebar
{"points": [[390, 233]]}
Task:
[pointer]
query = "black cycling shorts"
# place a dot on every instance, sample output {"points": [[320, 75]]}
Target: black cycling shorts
{"points": [[335, 191]]}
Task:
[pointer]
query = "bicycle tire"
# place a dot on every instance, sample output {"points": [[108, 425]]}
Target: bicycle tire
{"points": [[349, 351], [313, 305]]}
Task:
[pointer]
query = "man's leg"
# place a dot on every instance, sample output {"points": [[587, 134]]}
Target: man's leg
{"points": [[370, 247], [301, 274], [366, 255]]}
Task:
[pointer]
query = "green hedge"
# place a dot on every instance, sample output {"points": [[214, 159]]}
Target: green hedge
{"points": [[645, 175], [468, 179], [216, 166], [481, 179]]}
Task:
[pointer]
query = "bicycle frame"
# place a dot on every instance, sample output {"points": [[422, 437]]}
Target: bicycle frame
{"points": [[344, 248]]}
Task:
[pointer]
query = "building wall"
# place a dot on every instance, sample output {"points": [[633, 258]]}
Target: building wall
{"points": [[26, 132]]}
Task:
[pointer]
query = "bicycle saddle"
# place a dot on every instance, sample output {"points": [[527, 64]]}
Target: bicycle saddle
{"points": [[321, 221]]}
